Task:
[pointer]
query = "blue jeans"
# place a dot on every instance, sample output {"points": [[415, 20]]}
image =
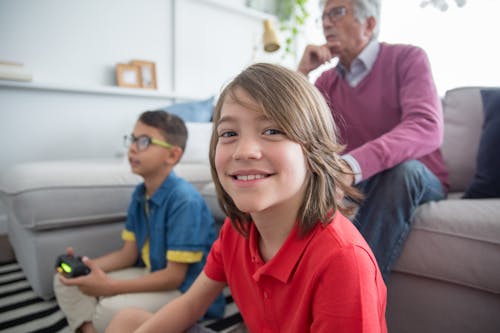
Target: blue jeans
{"points": [[386, 214]]}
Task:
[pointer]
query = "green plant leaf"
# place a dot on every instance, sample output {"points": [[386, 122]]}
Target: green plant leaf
{"points": [[293, 15]]}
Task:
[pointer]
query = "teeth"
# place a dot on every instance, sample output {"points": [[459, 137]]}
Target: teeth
{"points": [[249, 177]]}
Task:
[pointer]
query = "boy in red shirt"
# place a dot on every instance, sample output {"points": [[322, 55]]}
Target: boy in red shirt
{"points": [[293, 262]]}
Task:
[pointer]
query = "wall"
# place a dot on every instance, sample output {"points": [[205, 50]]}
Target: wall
{"points": [[204, 63], [72, 109], [79, 42]]}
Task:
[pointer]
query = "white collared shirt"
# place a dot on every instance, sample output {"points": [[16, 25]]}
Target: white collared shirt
{"points": [[361, 65]]}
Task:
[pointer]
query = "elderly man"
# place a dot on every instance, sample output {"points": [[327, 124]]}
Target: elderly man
{"points": [[383, 99]]}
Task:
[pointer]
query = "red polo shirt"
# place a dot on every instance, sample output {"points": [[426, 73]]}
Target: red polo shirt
{"points": [[327, 281]]}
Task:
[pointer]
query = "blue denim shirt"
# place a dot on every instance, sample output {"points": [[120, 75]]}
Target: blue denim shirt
{"points": [[179, 220]]}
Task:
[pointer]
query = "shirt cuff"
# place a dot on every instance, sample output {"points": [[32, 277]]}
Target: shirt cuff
{"points": [[186, 257], [356, 169], [128, 235]]}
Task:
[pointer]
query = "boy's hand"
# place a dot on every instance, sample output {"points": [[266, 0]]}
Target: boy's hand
{"points": [[70, 251], [97, 283]]}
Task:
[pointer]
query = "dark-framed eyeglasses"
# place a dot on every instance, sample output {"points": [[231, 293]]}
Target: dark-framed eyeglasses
{"points": [[335, 14], [142, 142]]}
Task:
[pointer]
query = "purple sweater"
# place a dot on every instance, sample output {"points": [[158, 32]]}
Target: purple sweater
{"points": [[393, 115]]}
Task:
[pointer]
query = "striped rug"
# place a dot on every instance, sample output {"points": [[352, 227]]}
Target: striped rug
{"points": [[21, 311]]}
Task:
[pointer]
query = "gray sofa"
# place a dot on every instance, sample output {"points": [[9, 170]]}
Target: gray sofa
{"points": [[54, 204], [448, 276], [446, 280]]}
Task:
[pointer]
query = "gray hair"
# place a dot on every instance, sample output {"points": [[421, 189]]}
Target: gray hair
{"points": [[363, 9]]}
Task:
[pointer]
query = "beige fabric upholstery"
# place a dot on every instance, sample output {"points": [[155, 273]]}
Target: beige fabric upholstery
{"points": [[447, 278], [463, 118], [456, 241]]}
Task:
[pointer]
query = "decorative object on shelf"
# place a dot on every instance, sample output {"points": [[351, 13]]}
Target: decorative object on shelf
{"points": [[441, 4], [270, 38], [148, 73], [292, 15], [128, 75], [136, 74], [14, 71]]}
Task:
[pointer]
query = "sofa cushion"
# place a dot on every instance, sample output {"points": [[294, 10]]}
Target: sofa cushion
{"points": [[198, 143], [56, 194], [456, 241], [463, 117], [196, 111], [46, 195], [197, 174], [210, 196], [486, 182]]}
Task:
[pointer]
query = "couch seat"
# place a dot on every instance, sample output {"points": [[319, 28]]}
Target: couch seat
{"points": [[456, 241]]}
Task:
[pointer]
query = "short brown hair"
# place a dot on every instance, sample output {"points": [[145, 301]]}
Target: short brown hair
{"points": [[172, 127], [302, 114]]}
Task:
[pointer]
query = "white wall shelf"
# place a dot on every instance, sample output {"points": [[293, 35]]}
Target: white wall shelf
{"points": [[96, 90], [239, 8]]}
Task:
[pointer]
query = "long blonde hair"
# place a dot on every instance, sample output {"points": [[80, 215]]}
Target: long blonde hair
{"points": [[297, 107]]}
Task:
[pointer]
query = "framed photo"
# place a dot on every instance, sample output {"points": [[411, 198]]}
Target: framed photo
{"points": [[148, 73], [128, 75]]}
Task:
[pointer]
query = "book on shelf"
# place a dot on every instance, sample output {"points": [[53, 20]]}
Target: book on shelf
{"points": [[14, 71]]}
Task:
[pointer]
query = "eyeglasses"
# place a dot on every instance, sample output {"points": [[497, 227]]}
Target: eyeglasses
{"points": [[142, 142], [335, 14]]}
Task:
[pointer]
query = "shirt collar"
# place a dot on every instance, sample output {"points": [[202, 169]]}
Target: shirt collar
{"points": [[283, 263], [161, 193], [363, 63], [369, 54]]}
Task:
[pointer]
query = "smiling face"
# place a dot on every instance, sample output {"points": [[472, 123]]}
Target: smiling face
{"points": [[346, 36], [257, 165]]}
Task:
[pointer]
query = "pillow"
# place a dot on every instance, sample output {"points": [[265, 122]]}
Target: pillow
{"points": [[486, 181], [198, 143], [198, 111], [463, 119]]}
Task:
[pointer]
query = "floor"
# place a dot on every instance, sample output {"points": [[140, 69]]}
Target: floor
{"points": [[21, 310]]}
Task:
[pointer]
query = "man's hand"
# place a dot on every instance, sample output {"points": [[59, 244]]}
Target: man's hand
{"points": [[313, 57], [97, 283]]}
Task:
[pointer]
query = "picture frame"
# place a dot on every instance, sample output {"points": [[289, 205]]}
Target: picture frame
{"points": [[148, 73], [128, 76]]}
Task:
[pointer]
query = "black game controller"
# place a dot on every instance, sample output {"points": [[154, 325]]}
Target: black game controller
{"points": [[70, 266]]}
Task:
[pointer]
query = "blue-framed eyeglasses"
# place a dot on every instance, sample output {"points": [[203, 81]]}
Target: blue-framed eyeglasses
{"points": [[142, 142]]}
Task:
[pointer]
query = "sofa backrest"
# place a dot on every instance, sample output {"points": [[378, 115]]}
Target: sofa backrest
{"points": [[198, 143], [463, 119]]}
